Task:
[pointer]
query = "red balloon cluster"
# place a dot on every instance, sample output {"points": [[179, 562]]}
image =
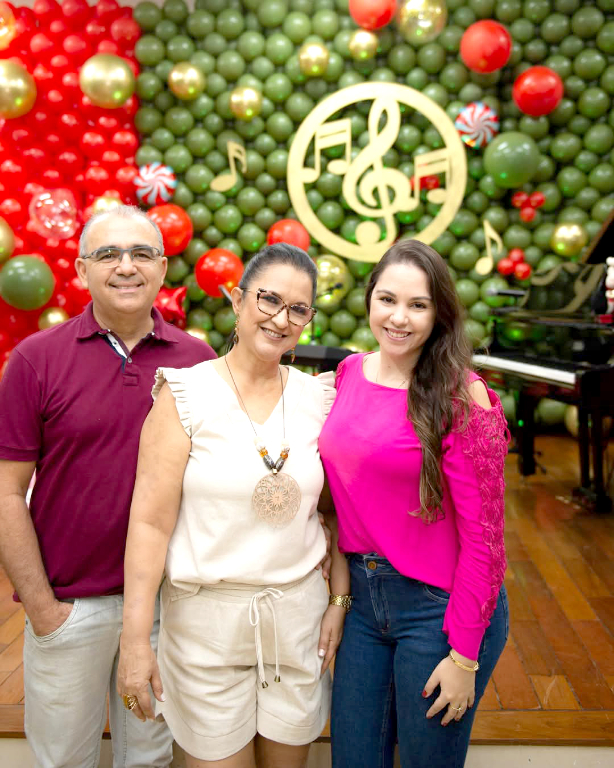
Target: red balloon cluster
{"points": [[485, 46], [64, 142], [528, 204], [372, 14], [514, 264], [289, 231], [218, 267], [537, 91]]}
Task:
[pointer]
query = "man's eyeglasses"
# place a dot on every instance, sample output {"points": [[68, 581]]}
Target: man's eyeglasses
{"points": [[271, 304], [139, 254]]}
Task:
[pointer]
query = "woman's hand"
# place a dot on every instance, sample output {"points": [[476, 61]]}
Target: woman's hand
{"points": [[138, 668], [331, 632], [456, 689]]}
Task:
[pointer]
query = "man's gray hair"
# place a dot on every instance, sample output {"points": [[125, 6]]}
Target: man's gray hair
{"points": [[123, 212]]}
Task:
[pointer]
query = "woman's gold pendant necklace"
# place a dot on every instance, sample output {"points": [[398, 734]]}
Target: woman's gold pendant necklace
{"points": [[277, 497]]}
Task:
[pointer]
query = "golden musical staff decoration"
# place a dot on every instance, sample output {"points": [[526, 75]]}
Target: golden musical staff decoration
{"points": [[485, 265], [227, 180], [374, 192]]}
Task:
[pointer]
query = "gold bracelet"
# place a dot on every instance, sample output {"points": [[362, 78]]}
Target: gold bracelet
{"points": [[474, 668], [345, 601]]}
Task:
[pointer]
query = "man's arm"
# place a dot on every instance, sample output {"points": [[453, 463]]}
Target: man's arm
{"points": [[20, 553]]}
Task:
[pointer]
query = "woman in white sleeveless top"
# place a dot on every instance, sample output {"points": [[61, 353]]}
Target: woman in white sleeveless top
{"points": [[225, 505]]}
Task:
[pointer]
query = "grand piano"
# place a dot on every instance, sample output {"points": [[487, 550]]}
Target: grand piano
{"points": [[557, 343]]}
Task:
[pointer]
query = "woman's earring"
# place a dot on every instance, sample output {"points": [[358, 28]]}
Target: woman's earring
{"points": [[235, 338], [292, 355]]}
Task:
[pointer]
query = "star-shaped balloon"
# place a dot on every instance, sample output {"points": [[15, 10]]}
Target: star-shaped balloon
{"points": [[170, 303]]}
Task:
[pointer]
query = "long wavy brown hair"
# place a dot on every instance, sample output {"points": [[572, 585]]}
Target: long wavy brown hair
{"points": [[437, 395]]}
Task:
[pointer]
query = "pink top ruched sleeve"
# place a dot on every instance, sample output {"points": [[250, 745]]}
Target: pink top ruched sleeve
{"points": [[372, 457]]}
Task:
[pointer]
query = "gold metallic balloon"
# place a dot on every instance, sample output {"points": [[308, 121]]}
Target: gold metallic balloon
{"points": [[420, 21], [17, 90], [8, 30], [355, 346], [7, 241], [52, 316], [198, 333], [105, 203], [363, 44], [334, 277], [186, 81], [107, 80], [245, 102], [568, 239], [313, 59]]}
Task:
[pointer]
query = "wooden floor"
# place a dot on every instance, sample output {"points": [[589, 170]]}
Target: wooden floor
{"points": [[555, 681]]}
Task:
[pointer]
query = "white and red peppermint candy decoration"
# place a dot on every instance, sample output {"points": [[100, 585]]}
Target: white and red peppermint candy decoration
{"points": [[155, 184], [477, 124]]}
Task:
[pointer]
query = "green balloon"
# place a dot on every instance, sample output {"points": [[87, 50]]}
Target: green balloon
{"points": [[198, 318], [594, 103], [230, 65], [265, 218], [278, 201], [178, 157], [179, 120], [251, 237], [511, 159], [147, 15], [601, 178], [464, 256], [493, 284], [565, 146], [200, 216], [570, 181], [175, 10], [183, 195], [199, 24], [149, 50], [146, 154], [177, 269], [166, 30], [468, 292], [162, 139], [587, 22], [272, 13], [230, 23], [148, 85], [479, 311], [147, 120], [224, 321], [228, 219], [475, 332], [355, 302], [551, 412], [343, 323], [198, 177], [26, 282]]}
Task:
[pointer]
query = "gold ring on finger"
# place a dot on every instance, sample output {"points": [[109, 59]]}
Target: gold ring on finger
{"points": [[130, 701], [458, 709]]}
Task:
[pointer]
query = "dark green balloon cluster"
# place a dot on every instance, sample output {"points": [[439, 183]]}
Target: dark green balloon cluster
{"points": [[256, 43]]}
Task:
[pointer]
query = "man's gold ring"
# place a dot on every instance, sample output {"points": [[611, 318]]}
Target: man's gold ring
{"points": [[130, 701]]}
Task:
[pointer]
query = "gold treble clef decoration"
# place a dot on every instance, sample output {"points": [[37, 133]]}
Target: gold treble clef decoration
{"points": [[367, 175]]}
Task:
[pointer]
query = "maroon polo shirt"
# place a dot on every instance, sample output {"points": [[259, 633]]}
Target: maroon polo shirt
{"points": [[74, 404]]}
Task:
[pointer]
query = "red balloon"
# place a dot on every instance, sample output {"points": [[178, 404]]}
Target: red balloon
{"points": [[372, 14], [289, 231], [77, 47], [64, 269], [55, 142], [51, 177], [537, 199], [76, 294], [76, 13], [43, 75], [170, 303], [111, 160], [516, 255], [70, 83], [527, 213], [537, 91], [35, 157], [106, 8], [95, 30], [522, 271], [520, 199], [72, 125], [13, 210], [96, 179], [175, 225], [69, 163], [108, 123], [21, 136], [42, 46], [485, 46], [58, 28], [108, 46], [125, 32], [125, 142], [505, 266], [124, 178], [93, 144], [56, 100], [218, 267], [12, 173], [46, 10]]}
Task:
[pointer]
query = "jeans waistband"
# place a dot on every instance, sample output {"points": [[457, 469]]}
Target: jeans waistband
{"points": [[371, 561]]}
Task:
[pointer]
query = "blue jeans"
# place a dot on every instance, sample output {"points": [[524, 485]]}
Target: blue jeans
{"points": [[391, 644]]}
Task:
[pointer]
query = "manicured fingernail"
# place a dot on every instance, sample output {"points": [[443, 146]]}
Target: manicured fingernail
{"points": [[162, 697], [321, 653], [424, 693], [444, 724]]}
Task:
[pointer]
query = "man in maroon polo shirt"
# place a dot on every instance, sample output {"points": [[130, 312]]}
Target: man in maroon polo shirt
{"points": [[72, 403]]}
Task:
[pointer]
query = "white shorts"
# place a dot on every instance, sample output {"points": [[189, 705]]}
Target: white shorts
{"points": [[220, 663]]}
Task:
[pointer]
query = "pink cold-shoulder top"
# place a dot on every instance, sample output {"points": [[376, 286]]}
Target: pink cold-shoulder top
{"points": [[372, 457]]}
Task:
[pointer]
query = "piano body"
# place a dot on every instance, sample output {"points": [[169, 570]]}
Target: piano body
{"points": [[554, 343]]}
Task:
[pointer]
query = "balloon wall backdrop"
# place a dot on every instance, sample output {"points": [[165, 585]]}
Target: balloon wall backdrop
{"points": [[191, 113]]}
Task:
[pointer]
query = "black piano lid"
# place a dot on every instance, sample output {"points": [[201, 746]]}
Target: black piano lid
{"points": [[600, 246]]}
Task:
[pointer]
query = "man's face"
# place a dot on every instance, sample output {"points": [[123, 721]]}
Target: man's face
{"points": [[127, 288]]}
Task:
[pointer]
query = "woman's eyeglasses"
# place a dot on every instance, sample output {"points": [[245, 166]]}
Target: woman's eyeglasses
{"points": [[271, 304]]}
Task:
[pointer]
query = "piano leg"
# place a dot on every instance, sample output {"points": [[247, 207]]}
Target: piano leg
{"points": [[584, 441], [525, 437]]}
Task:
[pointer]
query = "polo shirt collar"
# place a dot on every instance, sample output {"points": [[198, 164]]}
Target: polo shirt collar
{"points": [[88, 325]]}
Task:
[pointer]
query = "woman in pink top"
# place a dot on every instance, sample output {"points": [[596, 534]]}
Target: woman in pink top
{"points": [[414, 452]]}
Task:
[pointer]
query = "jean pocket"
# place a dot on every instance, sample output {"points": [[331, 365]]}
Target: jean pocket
{"points": [[436, 594], [56, 632]]}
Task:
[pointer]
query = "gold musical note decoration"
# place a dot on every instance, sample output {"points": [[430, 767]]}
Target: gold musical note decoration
{"points": [[373, 191], [485, 265], [227, 180]]}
